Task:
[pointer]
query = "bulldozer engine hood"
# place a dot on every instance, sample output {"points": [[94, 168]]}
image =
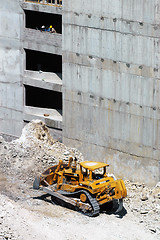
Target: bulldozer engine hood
{"points": [[95, 184]]}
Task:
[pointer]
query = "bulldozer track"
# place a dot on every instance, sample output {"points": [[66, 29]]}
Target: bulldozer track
{"points": [[66, 199], [92, 201]]}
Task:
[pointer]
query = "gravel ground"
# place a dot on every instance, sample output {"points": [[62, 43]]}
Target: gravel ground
{"points": [[23, 215]]}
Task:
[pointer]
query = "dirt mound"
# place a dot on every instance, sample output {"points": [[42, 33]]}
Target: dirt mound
{"points": [[34, 151], [35, 132]]}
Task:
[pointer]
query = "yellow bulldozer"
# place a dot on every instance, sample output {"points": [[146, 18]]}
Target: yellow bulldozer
{"points": [[83, 187]]}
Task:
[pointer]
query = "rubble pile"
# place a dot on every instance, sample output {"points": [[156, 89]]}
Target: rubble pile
{"points": [[144, 202], [34, 151]]}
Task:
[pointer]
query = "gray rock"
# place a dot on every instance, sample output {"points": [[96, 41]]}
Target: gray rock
{"points": [[141, 221], [144, 197], [152, 230], [143, 211], [66, 153], [158, 184]]}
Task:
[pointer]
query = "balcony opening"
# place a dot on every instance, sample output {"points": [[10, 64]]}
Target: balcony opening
{"points": [[42, 98], [46, 62], [35, 20]]}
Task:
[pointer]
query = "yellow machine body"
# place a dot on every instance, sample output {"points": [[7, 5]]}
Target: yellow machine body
{"points": [[89, 176]]}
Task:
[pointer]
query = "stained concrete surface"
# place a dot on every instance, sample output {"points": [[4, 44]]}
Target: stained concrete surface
{"points": [[111, 84]]}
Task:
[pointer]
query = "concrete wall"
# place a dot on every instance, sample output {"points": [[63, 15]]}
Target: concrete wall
{"points": [[11, 67], [111, 86]]}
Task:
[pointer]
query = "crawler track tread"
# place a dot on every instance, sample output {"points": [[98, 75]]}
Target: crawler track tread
{"points": [[92, 201]]}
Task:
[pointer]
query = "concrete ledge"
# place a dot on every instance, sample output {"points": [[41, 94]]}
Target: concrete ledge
{"points": [[42, 41], [53, 120], [41, 8], [45, 80]]}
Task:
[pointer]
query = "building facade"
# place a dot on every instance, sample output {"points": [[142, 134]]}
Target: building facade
{"points": [[109, 89]]}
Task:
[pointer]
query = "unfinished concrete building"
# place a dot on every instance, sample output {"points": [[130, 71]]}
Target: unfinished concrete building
{"points": [[30, 65], [109, 86]]}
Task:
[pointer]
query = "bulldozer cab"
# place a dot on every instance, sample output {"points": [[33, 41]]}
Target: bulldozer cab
{"points": [[88, 170]]}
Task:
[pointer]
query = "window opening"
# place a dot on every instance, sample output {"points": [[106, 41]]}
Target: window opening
{"points": [[46, 62], [43, 21], [43, 98]]}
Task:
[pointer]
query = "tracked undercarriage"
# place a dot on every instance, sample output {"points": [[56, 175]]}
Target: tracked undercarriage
{"points": [[82, 189]]}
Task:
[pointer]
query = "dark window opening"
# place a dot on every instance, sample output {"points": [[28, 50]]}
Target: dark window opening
{"points": [[36, 20], [43, 98], [45, 62]]}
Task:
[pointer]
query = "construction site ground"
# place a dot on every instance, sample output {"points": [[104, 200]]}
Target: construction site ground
{"points": [[26, 213]]}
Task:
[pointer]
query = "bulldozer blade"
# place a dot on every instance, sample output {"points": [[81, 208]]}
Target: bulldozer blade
{"points": [[36, 183], [120, 206]]}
